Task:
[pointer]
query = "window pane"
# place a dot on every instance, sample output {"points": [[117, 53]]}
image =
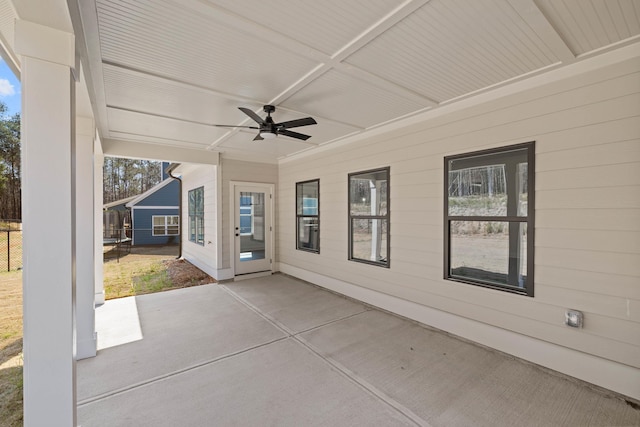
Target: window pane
{"points": [[173, 220], [200, 207], [481, 185], [173, 230], [479, 251], [307, 198], [369, 240], [158, 231], [200, 229], [192, 202], [478, 191], [158, 220], [368, 193], [308, 233], [192, 228], [522, 189]]}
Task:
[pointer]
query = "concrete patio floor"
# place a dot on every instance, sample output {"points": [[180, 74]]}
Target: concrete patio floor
{"points": [[278, 351]]}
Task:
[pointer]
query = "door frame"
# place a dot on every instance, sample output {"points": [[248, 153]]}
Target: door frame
{"points": [[270, 189]]}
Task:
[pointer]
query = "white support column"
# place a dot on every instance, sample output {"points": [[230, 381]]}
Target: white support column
{"points": [[86, 344], [98, 164], [48, 214]]}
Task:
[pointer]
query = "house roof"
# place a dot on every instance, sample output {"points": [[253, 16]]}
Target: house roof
{"points": [[162, 74], [118, 202]]}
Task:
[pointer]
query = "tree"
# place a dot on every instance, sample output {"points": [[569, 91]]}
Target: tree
{"points": [[10, 182], [124, 178]]}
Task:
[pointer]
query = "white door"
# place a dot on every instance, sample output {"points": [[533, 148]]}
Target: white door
{"points": [[252, 229]]}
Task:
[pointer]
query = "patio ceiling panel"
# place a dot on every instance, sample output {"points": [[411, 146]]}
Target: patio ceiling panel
{"points": [[323, 25], [162, 38], [239, 144], [447, 49], [135, 91], [588, 25], [173, 132], [346, 99], [353, 66]]}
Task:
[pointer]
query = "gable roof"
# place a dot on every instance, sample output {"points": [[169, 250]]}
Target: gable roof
{"points": [[118, 202], [149, 192]]}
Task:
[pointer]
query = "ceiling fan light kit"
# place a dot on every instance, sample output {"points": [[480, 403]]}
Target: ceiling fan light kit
{"points": [[267, 135], [268, 129]]}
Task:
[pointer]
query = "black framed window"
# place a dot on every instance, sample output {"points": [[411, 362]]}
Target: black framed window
{"points": [[308, 216], [369, 217], [196, 215], [489, 218]]}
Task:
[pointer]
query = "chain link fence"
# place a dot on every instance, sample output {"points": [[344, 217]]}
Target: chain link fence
{"points": [[10, 245]]}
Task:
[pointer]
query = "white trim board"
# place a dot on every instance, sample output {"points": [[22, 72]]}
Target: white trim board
{"points": [[605, 373]]}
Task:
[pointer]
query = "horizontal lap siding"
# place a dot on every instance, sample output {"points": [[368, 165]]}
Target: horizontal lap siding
{"points": [[143, 226], [165, 196], [587, 248], [236, 170], [205, 257]]}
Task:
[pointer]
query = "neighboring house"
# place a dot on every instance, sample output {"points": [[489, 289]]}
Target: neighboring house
{"points": [[155, 215]]}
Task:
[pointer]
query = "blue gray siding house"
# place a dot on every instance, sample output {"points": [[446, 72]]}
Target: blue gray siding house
{"points": [[155, 215]]}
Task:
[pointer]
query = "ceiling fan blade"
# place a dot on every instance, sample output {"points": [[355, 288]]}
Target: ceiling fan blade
{"points": [[297, 123], [233, 126], [258, 138], [293, 134], [253, 115]]}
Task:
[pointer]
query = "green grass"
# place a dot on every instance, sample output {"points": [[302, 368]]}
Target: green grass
{"points": [[135, 276], [11, 348]]}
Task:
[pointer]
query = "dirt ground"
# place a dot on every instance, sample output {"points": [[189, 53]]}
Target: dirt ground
{"points": [[183, 274], [148, 269]]}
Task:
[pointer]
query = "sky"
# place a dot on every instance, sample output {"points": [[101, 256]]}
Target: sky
{"points": [[9, 89]]}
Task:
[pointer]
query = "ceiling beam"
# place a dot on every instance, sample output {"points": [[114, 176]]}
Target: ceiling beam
{"points": [[540, 24], [140, 150], [84, 19]]}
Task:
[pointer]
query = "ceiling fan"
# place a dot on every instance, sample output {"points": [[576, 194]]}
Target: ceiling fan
{"points": [[268, 129]]}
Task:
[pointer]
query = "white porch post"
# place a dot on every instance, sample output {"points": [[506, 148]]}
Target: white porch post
{"points": [[48, 214], [98, 163], [85, 288]]}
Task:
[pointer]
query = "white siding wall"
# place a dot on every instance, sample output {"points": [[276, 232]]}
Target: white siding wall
{"points": [[587, 248], [204, 257], [236, 170]]}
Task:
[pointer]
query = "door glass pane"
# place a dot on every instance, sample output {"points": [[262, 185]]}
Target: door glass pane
{"points": [[251, 226]]}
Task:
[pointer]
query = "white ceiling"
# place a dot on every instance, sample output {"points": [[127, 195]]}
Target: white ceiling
{"points": [[165, 71]]}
